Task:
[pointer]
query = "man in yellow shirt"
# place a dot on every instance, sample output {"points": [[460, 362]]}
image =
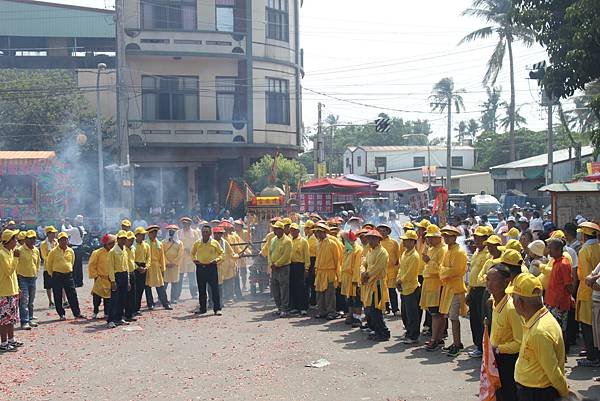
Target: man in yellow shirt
{"points": [[327, 265], [540, 367], [280, 256], [408, 284], [130, 302], [476, 289], [206, 253], [9, 292], [506, 332], [188, 236], [45, 247], [393, 250], [374, 279], [118, 275], [312, 250], [421, 248], [28, 266], [156, 268], [60, 267], [299, 267], [142, 261], [588, 259], [350, 277], [98, 271]]}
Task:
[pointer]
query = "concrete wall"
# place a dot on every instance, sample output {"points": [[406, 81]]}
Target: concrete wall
{"points": [[86, 79]]}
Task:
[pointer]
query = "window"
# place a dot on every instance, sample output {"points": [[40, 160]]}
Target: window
{"points": [[358, 161], [169, 98], [225, 87], [457, 161], [381, 162], [418, 161], [224, 12], [278, 101], [169, 14], [347, 162], [278, 20]]}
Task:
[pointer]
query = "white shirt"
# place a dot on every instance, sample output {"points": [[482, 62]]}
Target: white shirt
{"points": [[75, 237]]}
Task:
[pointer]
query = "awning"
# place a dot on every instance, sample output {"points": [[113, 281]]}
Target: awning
{"points": [[360, 178], [26, 162], [579, 186], [335, 185], [394, 184], [21, 155]]}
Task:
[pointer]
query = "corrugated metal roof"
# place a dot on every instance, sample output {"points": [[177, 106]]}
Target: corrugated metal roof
{"points": [[542, 160], [579, 186], [12, 155], [43, 19], [406, 148]]}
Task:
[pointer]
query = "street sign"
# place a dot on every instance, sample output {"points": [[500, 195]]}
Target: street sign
{"points": [[382, 125]]}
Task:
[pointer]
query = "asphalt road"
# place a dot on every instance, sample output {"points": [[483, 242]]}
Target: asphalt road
{"points": [[246, 354]]}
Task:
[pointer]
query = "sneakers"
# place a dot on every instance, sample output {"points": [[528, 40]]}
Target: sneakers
{"points": [[397, 314], [82, 317], [349, 320], [283, 315], [294, 312], [15, 344], [33, 324], [475, 353], [379, 337], [455, 350], [431, 346], [218, 313], [62, 317], [25, 326], [95, 316], [50, 305], [586, 363], [408, 341], [332, 316], [7, 348], [130, 319], [303, 313], [168, 307], [111, 325]]}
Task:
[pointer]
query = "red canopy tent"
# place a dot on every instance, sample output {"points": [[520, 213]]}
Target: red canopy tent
{"points": [[336, 185]]}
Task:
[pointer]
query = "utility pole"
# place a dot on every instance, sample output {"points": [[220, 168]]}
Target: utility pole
{"points": [[320, 148], [101, 67], [449, 146], [126, 182], [550, 173]]}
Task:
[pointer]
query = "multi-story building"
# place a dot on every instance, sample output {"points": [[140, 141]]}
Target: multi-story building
{"points": [[212, 85]]}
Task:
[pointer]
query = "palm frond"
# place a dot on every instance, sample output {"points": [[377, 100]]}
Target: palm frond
{"points": [[494, 64], [482, 33]]}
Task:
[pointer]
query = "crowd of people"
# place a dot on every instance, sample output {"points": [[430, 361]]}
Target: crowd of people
{"points": [[535, 291]]}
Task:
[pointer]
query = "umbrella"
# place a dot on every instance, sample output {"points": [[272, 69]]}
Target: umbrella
{"points": [[394, 184]]}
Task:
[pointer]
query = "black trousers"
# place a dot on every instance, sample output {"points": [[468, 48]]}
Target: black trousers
{"points": [[506, 369], [162, 296], [588, 340], [476, 315], [130, 303], [376, 322], [78, 266], [340, 301], [298, 294], [208, 275], [97, 300], [393, 299], [309, 282], [140, 288], [537, 394], [64, 282], [410, 308], [572, 324], [118, 297], [427, 322]]}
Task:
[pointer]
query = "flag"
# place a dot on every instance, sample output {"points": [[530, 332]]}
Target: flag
{"points": [[248, 192], [235, 195], [489, 378]]}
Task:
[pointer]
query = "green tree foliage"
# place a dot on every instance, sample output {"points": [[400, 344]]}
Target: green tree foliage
{"points": [[569, 30], [489, 118], [444, 93], [290, 172], [493, 149]]}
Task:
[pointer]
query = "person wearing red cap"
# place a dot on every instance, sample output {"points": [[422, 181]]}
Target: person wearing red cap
{"points": [[9, 292], [98, 271]]}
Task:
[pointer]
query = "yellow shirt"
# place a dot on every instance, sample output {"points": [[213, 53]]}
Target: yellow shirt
{"points": [[28, 262], [98, 270], [453, 269], [207, 252], [421, 248], [589, 257], [350, 271], [541, 361], [313, 244], [408, 272], [130, 259], [45, 248], [507, 327], [301, 252], [477, 262], [280, 251], [142, 253], [264, 251], [9, 285], [157, 265], [482, 276], [116, 262], [327, 264], [375, 289], [60, 261], [173, 257], [432, 285], [391, 246]]}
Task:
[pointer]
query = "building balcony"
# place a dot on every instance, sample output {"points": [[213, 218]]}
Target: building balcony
{"points": [[184, 133], [185, 43], [52, 62]]}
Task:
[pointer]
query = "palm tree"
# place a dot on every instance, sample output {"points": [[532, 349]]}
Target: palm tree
{"points": [[499, 15], [519, 120], [443, 96]]}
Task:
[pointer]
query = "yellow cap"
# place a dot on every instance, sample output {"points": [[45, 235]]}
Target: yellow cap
{"points": [[510, 257], [450, 230], [8, 234], [433, 231], [309, 224], [30, 234], [140, 230], [152, 227], [21, 235], [513, 233], [11, 223], [294, 226], [512, 244], [278, 224], [130, 235], [558, 234], [126, 223], [493, 240], [588, 228], [481, 231], [62, 234], [321, 227], [286, 221], [409, 234], [525, 285], [122, 234], [423, 223], [408, 226], [50, 229]]}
